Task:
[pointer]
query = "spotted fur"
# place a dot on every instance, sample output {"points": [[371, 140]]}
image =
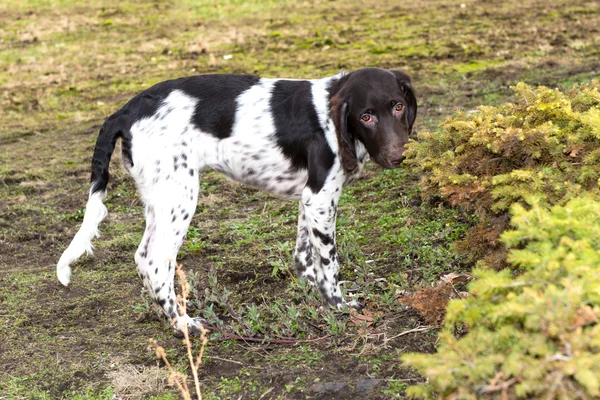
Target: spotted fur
{"points": [[296, 139]]}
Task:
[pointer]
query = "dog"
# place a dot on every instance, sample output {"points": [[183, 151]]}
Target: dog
{"points": [[296, 139]]}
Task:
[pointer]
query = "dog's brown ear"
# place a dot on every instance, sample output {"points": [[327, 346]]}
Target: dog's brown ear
{"points": [[406, 87], [340, 110]]}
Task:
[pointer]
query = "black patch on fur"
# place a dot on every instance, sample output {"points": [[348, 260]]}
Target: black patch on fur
{"points": [[217, 100], [325, 238], [300, 268], [298, 131], [320, 163], [333, 254]]}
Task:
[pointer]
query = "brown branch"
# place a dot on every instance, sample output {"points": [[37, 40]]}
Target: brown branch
{"points": [[496, 387], [232, 313]]}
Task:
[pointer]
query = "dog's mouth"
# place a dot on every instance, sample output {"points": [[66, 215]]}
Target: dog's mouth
{"points": [[391, 162]]}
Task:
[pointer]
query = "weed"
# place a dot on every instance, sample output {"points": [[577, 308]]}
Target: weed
{"points": [[395, 388], [176, 377]]}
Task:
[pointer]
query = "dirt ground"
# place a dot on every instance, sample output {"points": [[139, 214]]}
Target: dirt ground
{"points": [[65, 66]]}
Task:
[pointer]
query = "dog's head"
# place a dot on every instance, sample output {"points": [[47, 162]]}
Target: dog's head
{"points": [[377, 107]]}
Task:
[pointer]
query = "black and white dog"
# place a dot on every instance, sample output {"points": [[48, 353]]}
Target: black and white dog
{"points": [[297, 139]]}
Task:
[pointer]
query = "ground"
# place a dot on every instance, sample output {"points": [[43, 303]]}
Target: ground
{"points": [[66, 65]]}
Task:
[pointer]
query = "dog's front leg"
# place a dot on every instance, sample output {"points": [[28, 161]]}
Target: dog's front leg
{"points": [[303, 256], [319, 216]]}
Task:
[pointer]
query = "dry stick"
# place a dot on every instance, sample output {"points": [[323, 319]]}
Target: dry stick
{"points": [[421, 329], [226, 359], [204, 341], [182, 302], [232, 313], [266, 393], [497, 387], [160, 353], [191, 360]]}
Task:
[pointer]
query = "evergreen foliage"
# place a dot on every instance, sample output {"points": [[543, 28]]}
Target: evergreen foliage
{"points": [[534, 334], [545, 144]]}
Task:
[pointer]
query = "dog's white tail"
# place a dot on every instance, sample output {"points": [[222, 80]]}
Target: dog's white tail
{"points": [[95, 211]]}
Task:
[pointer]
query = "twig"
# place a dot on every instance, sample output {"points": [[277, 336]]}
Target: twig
{"points": [[421, 329], [266, 393], [191, 360], [498, 387], [232, 313], [405, 380], [226, 359], [182, 303]]}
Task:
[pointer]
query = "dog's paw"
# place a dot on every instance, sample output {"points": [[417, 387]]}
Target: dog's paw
{"points": [[350, 304], [355, 305], [195, 326]]}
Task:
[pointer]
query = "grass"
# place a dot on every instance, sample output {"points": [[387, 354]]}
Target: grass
{"points": [[65, 66]]}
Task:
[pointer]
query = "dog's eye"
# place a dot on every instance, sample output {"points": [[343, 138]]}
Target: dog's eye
{"points": [[366, 117], [399, 107]]}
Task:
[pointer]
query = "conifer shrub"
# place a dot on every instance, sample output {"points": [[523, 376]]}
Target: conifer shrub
{"points": [[545, 144], [535, 334]]}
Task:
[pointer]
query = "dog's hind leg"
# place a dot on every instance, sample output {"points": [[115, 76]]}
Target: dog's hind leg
{"points": [[168, 216]]}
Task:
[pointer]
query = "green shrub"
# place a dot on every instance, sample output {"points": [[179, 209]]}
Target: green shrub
{"points": [[546, 144], [529, 335]]}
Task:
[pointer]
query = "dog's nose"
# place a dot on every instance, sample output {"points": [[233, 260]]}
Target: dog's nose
{"points": [[397, 159]]}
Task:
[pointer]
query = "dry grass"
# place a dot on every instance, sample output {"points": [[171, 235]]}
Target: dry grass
{"points": [[177, 378], [132, 382]]}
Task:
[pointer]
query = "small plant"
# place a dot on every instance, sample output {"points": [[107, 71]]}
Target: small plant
{"points": [[545, 144], [176, 377], [394, 389], [531, 335], [281, 263]]}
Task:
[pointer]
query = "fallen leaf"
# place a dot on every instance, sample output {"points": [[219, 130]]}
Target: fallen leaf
{"points": [[453, 278], [366, 319]]}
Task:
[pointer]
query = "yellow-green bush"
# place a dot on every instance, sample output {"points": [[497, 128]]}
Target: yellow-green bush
{"points": [[546, 144], [531, 335]]}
